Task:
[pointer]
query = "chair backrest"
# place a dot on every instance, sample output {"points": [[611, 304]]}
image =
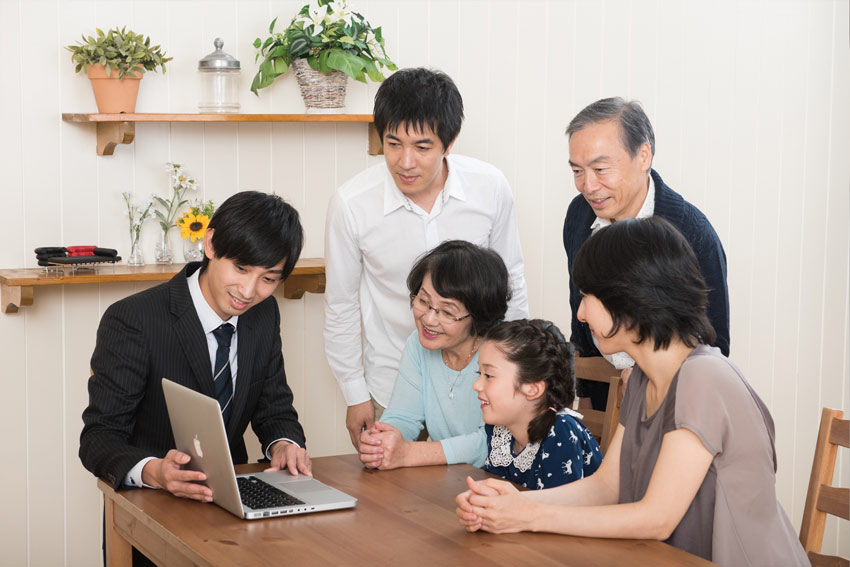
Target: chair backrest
{"points": [[823, 498], [601, 423]]}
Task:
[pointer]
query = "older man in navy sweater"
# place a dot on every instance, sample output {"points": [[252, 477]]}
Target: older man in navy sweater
{"points": [[611, 149]]}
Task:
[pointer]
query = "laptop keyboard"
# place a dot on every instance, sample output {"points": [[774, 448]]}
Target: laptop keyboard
{"points": [[258, 495]]}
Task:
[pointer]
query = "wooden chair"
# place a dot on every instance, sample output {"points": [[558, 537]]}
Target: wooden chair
{"points": [[601, 423], [823, 498]]}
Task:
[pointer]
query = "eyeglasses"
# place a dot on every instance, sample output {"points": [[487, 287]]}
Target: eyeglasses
{"points": [[421, 305]]}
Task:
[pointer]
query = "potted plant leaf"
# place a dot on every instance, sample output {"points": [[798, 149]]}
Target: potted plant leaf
{"points": [[115, 62], [326, 43]]}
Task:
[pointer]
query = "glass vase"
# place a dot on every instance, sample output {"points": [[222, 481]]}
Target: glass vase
{"points": [[193, 251], [162, 251], [135, 258]]}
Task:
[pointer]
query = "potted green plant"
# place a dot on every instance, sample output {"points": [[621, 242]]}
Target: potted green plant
{"points": [[115, 62], [326, 43]]}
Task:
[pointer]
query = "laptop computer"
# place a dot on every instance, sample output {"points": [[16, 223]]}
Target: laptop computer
{"points": [[199, 432]]}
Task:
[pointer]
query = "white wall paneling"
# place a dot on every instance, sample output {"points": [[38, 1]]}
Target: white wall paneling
{"points": [[748, 100]]}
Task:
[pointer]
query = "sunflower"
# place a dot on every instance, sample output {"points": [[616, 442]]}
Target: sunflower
{"points": [[193, 225]]}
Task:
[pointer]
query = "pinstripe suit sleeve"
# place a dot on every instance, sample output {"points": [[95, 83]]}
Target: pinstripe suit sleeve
{"points": [[116, 388], [274, 416]]}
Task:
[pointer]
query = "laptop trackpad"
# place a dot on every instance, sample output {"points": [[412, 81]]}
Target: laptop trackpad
{"points": [[286, 481]]}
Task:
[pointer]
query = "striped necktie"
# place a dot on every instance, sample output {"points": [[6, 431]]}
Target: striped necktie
{"points": [[221, 371]]}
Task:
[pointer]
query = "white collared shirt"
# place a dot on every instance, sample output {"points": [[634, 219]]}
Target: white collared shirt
{"points": [[210, 321], [374, 235], [646, 210], [621, 360]]}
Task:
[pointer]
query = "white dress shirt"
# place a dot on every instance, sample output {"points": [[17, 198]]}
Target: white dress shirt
{"points": [[621, 360], [374, 235]]}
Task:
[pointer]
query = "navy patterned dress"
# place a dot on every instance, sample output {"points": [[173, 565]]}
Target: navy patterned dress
{"points": [[569, 452]]}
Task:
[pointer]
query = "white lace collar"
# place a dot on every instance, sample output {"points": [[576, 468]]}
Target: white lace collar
{"points": [[500, 450]]}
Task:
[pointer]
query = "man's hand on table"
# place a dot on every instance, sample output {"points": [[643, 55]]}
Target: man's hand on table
{"points": [[286, 455], [169, 474]]}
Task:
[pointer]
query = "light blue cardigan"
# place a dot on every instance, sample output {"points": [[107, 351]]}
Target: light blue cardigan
{"points": [[421, 397]]}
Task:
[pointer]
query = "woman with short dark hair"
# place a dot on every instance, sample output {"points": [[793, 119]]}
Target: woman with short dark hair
{"points": [[458, 291], [692, 461]]}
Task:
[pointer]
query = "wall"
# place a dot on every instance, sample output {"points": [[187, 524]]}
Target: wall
{"points": [[749, 103]]}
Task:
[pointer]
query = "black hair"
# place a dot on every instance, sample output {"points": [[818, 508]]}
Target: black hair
{"points": [[635, 127], [541, 353], [646, 275], [257, 229], [473, 275], [418, 97]]}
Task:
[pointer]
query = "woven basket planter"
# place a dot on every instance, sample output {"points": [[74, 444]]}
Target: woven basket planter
{"points": [[323, 93]]}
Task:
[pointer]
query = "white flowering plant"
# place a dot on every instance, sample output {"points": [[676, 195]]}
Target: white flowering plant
{"points": [[181, 182], [331, 37], [136, 214]]}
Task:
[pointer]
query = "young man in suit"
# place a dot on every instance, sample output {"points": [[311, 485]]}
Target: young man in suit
{"points": [[215, 328]]}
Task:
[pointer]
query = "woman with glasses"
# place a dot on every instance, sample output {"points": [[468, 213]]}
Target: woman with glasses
{"points": [[458, 291]]}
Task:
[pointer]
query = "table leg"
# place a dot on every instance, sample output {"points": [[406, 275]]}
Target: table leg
{"points": [[119, 552]]}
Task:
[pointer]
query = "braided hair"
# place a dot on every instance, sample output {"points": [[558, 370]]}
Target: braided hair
{"points": [[540, 353]]}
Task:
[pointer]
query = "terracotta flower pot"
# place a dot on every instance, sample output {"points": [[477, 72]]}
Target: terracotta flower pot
{"points": [[114, 95]]}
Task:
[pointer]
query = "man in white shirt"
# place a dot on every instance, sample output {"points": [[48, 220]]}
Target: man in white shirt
{"points": [[379, 222]]}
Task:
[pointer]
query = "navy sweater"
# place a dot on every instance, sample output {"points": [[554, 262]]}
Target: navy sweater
{"points": [[699, 233]]}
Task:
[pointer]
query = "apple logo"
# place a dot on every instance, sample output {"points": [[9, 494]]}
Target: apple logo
{"points": [[198, 450]]}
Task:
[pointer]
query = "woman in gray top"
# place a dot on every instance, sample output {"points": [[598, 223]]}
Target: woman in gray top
{"points": [[692, 461]]}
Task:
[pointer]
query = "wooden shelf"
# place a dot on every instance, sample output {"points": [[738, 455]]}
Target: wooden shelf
{"points": [[114, 129], [17, 285]]}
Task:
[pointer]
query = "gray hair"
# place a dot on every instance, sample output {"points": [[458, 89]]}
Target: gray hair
{"points": [[635, 126]]}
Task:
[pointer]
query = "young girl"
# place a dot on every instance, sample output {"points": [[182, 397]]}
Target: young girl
{"points": [[526, 383]]}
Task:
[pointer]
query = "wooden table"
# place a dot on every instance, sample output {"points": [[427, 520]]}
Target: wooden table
{"points": [[403, 517], [17, 285]]}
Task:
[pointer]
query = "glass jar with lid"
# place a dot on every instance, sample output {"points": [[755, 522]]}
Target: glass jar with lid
{"points": [[219, 81]]}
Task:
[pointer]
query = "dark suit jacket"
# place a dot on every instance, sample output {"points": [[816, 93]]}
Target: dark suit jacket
{"points": [[156, 334]]}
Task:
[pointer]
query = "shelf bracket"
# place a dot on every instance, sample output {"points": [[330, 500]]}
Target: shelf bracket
{"points": [[295, 285], [376, 148], [13, 297], [110, 134]]}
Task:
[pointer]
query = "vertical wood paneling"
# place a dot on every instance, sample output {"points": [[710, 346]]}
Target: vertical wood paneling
{"points": [[45, 458], [744, 138], [82, 505], [12, 138], [761, 150], [559, 187], [474, 68], [14, 472], [529, 174], [501, 113], [763, 316], [695, 88], [813, 216], [412, 47], [790, 378]]}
